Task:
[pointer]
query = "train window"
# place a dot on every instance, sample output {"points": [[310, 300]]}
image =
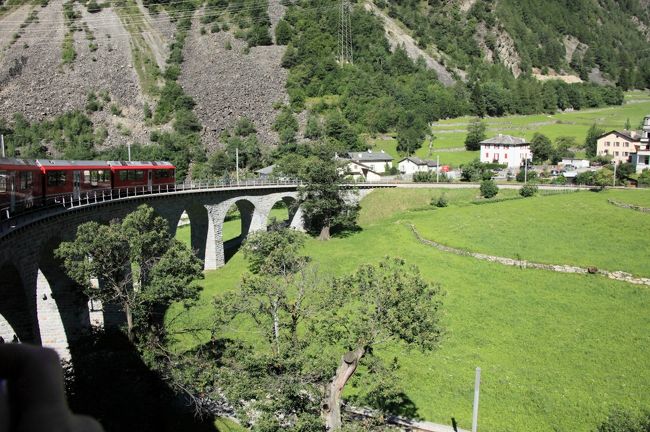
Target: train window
{"points": [[97, 177], [26, 180], [3, 181], [139, 174], [124, 175], [163, 174], [87, 177], [56, 178]]}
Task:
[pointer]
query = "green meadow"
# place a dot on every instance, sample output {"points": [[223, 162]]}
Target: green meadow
{"points": [[557, 351], [450, 134]]}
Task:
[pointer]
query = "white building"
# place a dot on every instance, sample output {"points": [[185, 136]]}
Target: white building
{"points": [[642, 156], [412, 164], [376, 161], [619, 145], [507, 150], [360, 172]]}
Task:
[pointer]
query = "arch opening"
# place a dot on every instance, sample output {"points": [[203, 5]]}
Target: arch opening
{"points": [[62, 307], [281, 214], [235, 226], [15, 309]]}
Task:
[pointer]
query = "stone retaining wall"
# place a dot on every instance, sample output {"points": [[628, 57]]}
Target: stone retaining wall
{"points": [[560, 268], [629, 206]]}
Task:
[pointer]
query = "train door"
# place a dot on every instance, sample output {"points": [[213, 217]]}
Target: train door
{"points": [[11, 179], [150, 180], [76, 184]]}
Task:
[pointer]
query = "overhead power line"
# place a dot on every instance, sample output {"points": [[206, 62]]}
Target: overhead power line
{"points": [[345, 33]]}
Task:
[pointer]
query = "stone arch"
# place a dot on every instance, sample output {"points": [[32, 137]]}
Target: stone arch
{"points": [[199, 225], [290, 203], [61, 305], [15, 307]]}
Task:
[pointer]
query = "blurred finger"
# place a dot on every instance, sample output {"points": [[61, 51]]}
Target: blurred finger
{"points": [[34, 377], [85, 424], [4, 407]]}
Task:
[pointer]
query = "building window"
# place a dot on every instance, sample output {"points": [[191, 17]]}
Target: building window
{"points": [[3, 181], [487, 155], [607, 144], [618, 144], [26, 180], [506, 156], [56, 178], [615, 153], [627, 144]]}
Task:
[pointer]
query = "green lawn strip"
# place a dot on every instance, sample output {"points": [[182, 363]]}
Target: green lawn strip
{"points": [[557, 350], [226, 425], [144, 60], [580, 229]]}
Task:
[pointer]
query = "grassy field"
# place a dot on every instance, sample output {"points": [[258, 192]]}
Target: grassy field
{"points": [[451, 133], [557, 351]]}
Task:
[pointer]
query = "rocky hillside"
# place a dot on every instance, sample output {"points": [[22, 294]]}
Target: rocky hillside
{"points": [[581, 40], [109, 64]]}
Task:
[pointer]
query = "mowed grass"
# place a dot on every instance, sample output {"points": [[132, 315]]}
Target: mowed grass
{"points": [[557, 351], [580, 229], [451, 133]]}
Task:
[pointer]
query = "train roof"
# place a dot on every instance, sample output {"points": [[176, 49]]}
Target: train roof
{"points": [[18, 163], [126, 165], [55, 164]]}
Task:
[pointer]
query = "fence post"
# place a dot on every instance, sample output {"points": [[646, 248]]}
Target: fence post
{"points": [[477, 385]]}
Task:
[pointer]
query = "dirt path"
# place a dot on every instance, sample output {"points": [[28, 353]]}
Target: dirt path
{"points": [[276, 12], [397, 36]]}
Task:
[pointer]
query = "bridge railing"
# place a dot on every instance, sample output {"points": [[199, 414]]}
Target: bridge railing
{"points": [[61, 202]]}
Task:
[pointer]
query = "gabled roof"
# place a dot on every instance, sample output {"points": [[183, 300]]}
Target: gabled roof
{"points": [[266, 170], [370, 156], [361, 165], [628, 135], [420, 162], [506, 140]]}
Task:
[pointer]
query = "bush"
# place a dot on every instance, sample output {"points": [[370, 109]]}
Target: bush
{"points": [[441, 201], [422, 177], [528, 190], [624, 421], [489, 189], [521, 175]]}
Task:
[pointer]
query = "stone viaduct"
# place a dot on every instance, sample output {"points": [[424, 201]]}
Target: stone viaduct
{"points": [[40, 305]]}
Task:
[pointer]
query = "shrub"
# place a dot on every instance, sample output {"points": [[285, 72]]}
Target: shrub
{"points": [[624, 421], [441, 201], [116, 110], [521, 175], [92, 104], [489, 189], [93, 7], [422, 177], [528, 190]]}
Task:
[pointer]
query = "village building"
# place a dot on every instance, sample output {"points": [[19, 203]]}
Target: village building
{"points": [[378, 162], [619, 145], [360, 172], [412, 164], [506, 150], [641, 159]]}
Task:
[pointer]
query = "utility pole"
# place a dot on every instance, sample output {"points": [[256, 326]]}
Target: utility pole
{"points": [[345, 33], [526, 172], [477, 385], [437, 168], [2, 144], [237, 163], [128, 146]]}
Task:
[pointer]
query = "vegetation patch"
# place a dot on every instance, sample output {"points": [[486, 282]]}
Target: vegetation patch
{"points": [[512, 322]]}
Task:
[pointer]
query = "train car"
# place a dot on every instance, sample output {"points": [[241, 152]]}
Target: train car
{"points": [[20, 185], [64, 177], [149, 175]]}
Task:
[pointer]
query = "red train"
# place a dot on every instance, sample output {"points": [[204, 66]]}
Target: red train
{"points": [[28, 183]]}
